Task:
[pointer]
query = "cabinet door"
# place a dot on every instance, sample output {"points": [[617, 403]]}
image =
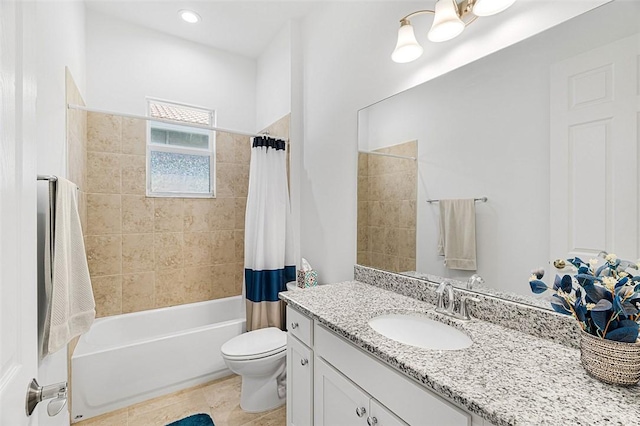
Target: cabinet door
{"points": [[299, 383], [380, 416], [338, 402]]}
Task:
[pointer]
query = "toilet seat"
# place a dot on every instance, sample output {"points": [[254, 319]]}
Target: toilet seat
{"points": [[255, 344]]}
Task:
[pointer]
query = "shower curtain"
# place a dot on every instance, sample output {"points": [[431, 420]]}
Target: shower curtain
{"points": [[268, 252]]}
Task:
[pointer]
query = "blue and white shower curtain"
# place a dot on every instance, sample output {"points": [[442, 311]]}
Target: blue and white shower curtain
{"points": [[268, 250]]}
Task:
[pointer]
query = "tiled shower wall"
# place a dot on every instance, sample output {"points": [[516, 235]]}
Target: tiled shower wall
{"points": [[77, 145], [146, 252], [387, 189]]}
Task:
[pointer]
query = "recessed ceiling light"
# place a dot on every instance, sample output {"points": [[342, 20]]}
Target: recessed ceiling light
{"points": [[189, 16]]}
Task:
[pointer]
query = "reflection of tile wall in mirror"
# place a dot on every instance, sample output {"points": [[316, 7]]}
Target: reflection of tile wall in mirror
{"points": [[387, 208]]}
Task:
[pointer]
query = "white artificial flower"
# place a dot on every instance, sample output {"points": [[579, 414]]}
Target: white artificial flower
{"points": [[532, 277], [593, 262], [611, 258], [609, 282], [590, 306]]}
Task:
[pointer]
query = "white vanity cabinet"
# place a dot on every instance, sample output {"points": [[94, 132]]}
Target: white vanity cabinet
{"points": [[331, 382], [300, 365]]}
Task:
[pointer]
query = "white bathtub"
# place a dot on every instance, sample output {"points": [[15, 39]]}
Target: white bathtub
{"points": [[129, 358]]}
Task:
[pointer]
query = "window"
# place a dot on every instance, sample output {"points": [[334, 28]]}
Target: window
{"points": [[180, 158]]}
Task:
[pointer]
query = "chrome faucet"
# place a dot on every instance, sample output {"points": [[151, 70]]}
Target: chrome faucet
{"points": [[448, 308], [473, 280], [441, 306]]}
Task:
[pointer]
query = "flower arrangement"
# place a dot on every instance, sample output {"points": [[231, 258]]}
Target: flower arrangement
{"points": [[605, 301]]}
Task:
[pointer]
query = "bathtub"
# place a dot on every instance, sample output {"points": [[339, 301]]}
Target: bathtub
{"points": [[129, 358]]}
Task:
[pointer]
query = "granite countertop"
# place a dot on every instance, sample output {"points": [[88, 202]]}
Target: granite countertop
{"points": [[505, 376]]}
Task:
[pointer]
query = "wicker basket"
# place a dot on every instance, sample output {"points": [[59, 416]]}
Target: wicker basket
{"points": [[617, 363]]}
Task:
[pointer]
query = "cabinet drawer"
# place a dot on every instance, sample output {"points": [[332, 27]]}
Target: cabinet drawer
{"points": [[300, 326]]}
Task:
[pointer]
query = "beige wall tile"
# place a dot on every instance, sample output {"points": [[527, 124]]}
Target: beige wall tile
{"points": [[134, 136], [224, 180], [223, 247], [376, 239], [406, 264], [137, 214], [197, 249], [240, 180], [239, 277], [390, 213], [363, 213], [239, 242], [240, 208], [169, 215], [406, 243], [222, 213], [77, 160], [363, 258], [137, 253], [168, 250], [138, 292], [103, 173], [390, 245], [169, 289], [363, 239], [224, 281], [225, 148], [376, 213], [107, 292], [103, 214], [198, 284], [197, 215], [134, 174], [104, 254], [363, 188], [82, 210], [407, 214], [243, 149], [104, 132]]}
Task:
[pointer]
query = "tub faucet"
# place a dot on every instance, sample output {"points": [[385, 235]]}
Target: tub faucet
{"points": [[473, 280], [441, 306]]}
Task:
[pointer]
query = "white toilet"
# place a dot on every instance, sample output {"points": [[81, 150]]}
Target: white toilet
{"points": [[259, 357]]}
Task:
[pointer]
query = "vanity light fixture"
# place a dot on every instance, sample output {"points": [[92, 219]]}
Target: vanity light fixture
{"points": [[450, 19], [189, 16]]}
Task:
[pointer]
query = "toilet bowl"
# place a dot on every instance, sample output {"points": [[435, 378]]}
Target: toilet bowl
{"points": [[259, 357]]}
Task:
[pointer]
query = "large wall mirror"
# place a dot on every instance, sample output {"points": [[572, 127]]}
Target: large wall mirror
{"points": [[546, 129]]}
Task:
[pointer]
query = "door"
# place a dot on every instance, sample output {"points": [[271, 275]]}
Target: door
{"points": [[338, 402], [594, 153], [300, 383], [18, 300]]}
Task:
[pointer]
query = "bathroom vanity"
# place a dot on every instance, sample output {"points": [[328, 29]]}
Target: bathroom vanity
{"points": [[342, 372]]}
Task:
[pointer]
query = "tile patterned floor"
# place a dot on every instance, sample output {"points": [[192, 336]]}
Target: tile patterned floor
{"points": [[220, 398]]}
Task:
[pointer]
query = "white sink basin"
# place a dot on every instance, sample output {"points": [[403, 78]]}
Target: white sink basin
{"points": [[420, 331]]}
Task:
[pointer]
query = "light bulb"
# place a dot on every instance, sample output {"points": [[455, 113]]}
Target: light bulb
{"points": [[189, 16]]}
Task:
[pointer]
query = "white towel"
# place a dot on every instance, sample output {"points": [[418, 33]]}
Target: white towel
{"points": [[457, 241], [71, 307]]}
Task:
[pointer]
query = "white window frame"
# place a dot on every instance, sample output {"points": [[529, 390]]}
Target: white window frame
{"points": [[210, 152]]}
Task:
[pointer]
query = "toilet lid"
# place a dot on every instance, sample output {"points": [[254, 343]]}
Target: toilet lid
{"points": [[256, 344]]}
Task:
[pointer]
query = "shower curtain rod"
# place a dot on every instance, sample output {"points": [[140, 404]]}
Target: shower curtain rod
{"points": [[388, 155], [179, 123]]}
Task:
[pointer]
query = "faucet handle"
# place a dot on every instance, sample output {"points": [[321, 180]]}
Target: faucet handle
{"points": [[464, 309]]}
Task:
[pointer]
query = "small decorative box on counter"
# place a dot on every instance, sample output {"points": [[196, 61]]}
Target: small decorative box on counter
{"points": [[307, 278]]}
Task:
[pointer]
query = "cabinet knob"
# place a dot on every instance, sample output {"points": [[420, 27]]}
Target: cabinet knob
{"points": [[372, 421], [304, 361], [361, 411], [294, 325]]}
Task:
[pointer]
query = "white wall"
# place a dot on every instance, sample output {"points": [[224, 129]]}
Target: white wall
{"points": [[347, 66], [127, 63], [61, 42], [273, 80]]}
